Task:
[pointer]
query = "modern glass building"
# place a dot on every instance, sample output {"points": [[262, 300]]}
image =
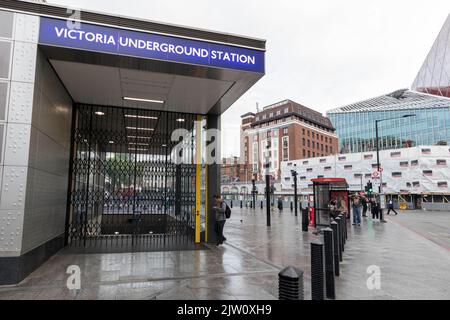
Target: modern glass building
{"points": [[434, 75], [355, 123]]}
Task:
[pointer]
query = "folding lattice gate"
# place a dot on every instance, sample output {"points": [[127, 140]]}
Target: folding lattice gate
{"points": [[127, 192]]}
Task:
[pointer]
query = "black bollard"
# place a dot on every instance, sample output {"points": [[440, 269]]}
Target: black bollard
{"points": [[329, 262], [241, 204], [317, 270], [231, 204], [261, 205], [292, 206], [339, 226], [342, 230], [334, 227], [290, 284], [305, 219]]}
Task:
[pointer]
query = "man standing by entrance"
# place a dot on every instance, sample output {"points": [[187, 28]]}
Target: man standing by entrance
{"points": [[219, 208]]}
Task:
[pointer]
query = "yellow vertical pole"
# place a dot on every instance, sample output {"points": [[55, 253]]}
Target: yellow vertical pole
{"points": [[206, 189], [198, 176]]}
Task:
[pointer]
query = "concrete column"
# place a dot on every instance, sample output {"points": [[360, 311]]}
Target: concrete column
{"points": [[213, 177]]}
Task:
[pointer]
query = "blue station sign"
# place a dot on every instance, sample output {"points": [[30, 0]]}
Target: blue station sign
{"points": [[85, 36]]}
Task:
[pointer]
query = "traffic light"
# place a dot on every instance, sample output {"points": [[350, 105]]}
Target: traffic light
{"points": [[369, 187]]}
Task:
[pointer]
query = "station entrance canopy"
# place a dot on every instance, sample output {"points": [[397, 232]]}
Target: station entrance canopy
{"points": [[166, 72]]}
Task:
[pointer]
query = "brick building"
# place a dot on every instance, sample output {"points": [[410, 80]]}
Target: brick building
{"points": [[293, 132]]}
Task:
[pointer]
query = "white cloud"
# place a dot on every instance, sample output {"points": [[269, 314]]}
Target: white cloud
{"points": [[321, 53]]}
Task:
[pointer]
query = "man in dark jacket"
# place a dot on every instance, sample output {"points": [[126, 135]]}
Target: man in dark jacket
{"points": [[391, 206], [218, 209]]}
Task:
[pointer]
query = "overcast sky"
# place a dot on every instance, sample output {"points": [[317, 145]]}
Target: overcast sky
{"points": [[322, 53]]}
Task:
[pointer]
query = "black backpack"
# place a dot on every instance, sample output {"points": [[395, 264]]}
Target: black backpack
{"points": [[227, 211]]}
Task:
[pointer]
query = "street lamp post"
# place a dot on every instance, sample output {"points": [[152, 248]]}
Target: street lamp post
{"points": [[267, 165], [294, 175], [254, 191], [380, 187]]}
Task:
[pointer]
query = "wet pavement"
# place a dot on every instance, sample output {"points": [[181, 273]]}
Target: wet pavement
{"points": [[411, 251]]}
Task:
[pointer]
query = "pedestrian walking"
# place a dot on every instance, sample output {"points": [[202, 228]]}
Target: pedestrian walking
{"points": [[280, 205], [391, 206], [219, 210], [356, 206], [374, 208], [364, 206]]}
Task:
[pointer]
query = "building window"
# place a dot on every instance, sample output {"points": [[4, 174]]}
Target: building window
{"points": [[441, 162], [286, 110], [326, 149], [313, 145], [309, 154], [408, 184], [305, 162], [309, 170], [374, 165], [328, 168], [331, 149], [285, 149], [427, 173], [403, 164], [368, 156], [319, 176], [309, 133], [271, 115], [396, 154], [285, 130], [357, 175], [396, 174], [326, 139], [348, 167], [263, 116], [302, 178], [287, 178], [323, 160], [309, 144], [257, 118], [278, 112], [416, 184], [314, 154], [368, 175], [304, 142], [426, 151], [341, 158], [303, 132], [414, 163], [304, 153], [442, 184]]}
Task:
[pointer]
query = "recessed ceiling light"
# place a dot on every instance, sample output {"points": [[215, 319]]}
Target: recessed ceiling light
{"points": [[139, 137], [180, 120], [139, 144], [164, 145], [140, 117], [136, 128], [137, 149], [99, 113], [110, 141], [143, 100]]}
